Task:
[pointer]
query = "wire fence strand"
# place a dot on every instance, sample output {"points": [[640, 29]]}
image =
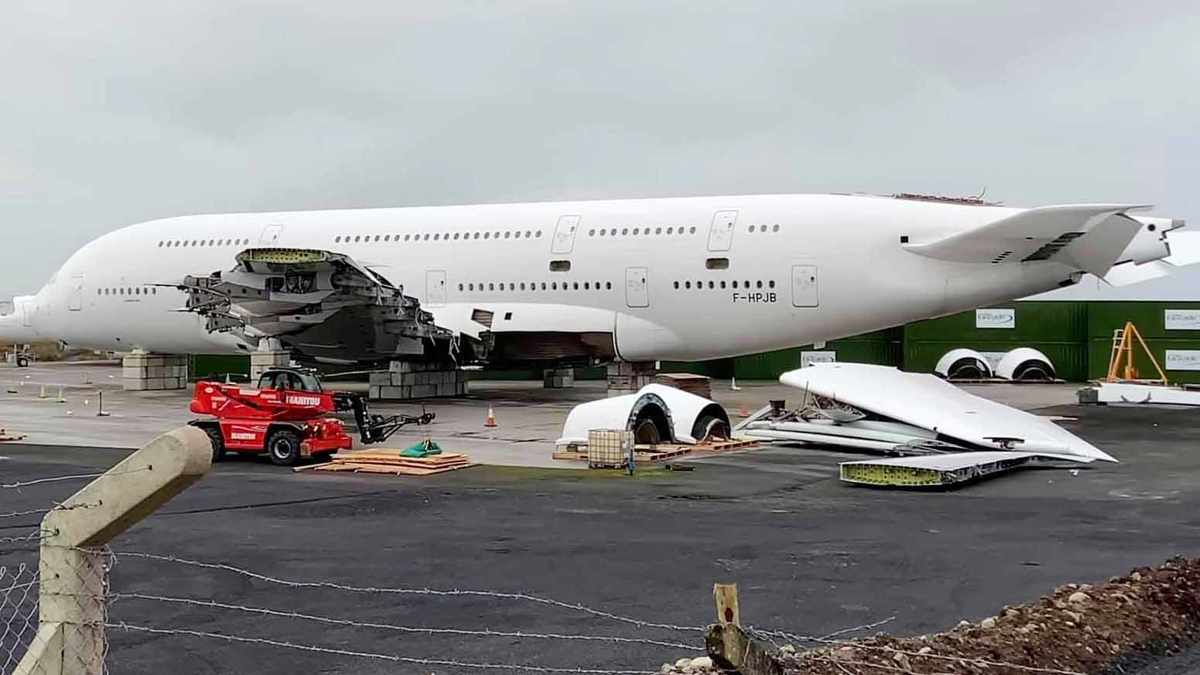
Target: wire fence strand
{"points": [[396, 658]]}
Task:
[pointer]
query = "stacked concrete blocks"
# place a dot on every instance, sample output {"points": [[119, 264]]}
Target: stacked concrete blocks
{"points": [[265, 360], [153, 372], [558, 378], [627, 377], [405, 380]]}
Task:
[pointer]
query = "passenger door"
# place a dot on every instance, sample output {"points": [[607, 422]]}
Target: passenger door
{"points": [[804, 286], [637, 293], [564, 234], [720, 235], [75, 301], [435, 287], [270, 235]]}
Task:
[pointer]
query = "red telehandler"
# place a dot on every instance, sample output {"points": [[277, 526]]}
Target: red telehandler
{"points": [[289, 417]]}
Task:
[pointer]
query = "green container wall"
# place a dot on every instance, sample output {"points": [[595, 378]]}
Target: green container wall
{"points": [[201, 366], [1149, 317], [1057, 329]]}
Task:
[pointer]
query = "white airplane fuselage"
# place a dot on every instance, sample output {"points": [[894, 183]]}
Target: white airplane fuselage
{"points": [[670, 279]]}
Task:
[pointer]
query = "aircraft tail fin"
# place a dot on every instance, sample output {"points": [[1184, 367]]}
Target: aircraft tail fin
{"points": [[1088, 237]]}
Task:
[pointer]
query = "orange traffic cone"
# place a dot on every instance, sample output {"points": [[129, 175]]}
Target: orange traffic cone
{"points": [[491, 418]]}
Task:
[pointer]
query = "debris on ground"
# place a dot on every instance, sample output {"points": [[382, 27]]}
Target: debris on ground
{"points": [[1079, 628], [394, 462]]}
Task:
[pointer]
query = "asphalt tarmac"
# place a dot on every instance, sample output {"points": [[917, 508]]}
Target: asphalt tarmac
{"points": [[810, 555]]}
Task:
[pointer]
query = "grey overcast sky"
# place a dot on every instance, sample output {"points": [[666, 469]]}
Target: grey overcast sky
{"points": [[120, 111]]}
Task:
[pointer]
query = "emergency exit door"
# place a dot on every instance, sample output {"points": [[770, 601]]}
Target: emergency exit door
{"points": [[564, 234], [720, 235], [805, 290], [435, 287], [270, 235], [637, 294], [75, 302]]}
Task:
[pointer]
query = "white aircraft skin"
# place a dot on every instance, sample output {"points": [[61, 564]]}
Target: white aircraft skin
{"points": [[852, 271]]}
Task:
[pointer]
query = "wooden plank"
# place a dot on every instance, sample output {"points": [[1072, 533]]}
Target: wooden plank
{"points": [[732, 650]]}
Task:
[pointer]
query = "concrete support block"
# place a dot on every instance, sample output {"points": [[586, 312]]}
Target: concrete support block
{"points": [[153, 372], [408, 380], [265, 360], [558, 378], [626, 377]]}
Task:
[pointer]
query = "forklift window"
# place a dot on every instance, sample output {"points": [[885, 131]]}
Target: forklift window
{"points": [[307, 382]]}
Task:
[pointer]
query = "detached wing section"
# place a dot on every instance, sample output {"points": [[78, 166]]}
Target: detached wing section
{"points": [[323, 305], [1088, 237]]}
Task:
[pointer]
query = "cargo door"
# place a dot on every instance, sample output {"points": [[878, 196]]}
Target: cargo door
{"points": [[720, 235], [805, 286], [270, 235], [637, 294], [435, 287], [75, 301], [564, 234]]}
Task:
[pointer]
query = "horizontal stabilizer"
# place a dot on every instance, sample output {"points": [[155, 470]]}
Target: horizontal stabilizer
{"points": [[1089, 237]]}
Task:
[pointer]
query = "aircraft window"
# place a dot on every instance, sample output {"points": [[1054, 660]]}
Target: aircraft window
{"points": [[212, 242], [543, 285], [717, 263], [635, 231], [476, 236], [722, 284], [460, 287], [560, 265], [487, 235], [357, 238], [747, 284], [750, 229], [337, 239], [710, 284], [624, 231], [658, 230], [692, 230], [506, 234], [436, 237], [554, 285], [154, 291], [97, 291], [602, 231], [591, 233], [528, 234], [387, 237], [522, 285], [160, 244], [676, 285], [775, 228], [670, 230], [538, 234], [575, 286], [771, 284], [687, 284], [376, 237], [587, 286], [455, 236], [122, 291]]}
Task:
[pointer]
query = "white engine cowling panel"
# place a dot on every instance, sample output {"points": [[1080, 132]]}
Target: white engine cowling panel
{"points": [[955, 361], [1025, 363], [684, 411]]}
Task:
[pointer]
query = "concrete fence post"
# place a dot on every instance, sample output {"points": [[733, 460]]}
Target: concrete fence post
{"points": [[71, 613]]}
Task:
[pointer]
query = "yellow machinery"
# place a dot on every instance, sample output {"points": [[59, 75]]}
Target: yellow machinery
{"points": [[1120, 362]]}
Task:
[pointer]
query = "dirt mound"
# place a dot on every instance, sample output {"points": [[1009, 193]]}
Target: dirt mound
{"points": [[1078, 628]]}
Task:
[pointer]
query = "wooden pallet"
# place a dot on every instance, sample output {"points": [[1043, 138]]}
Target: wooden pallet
{"points": [[659, 453], [391, 462]]}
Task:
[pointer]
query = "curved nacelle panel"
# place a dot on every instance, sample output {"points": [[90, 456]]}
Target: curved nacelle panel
{"points": [[963, 363], [1027, 364], [687, 418]]}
